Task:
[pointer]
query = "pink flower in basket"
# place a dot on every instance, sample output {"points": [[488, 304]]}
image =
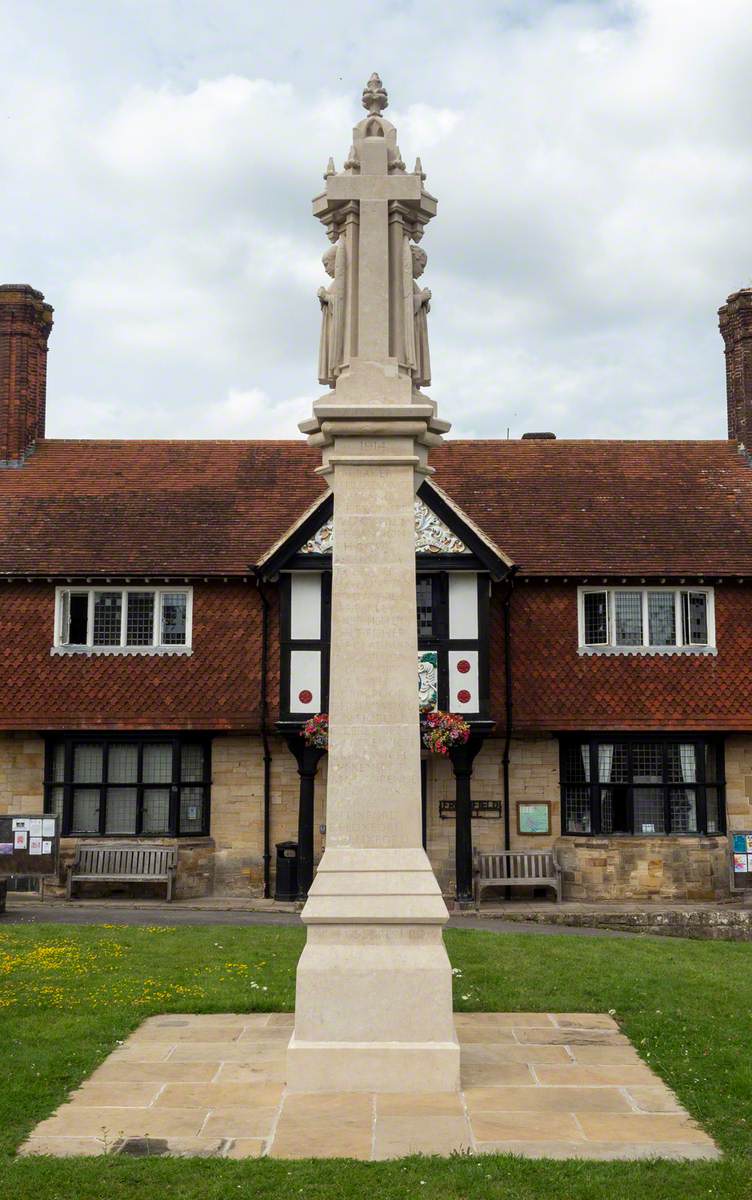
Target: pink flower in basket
{"points": [[441, 731], [316, 731]]}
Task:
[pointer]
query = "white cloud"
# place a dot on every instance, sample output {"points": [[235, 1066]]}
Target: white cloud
{"points": [[591, 161]]}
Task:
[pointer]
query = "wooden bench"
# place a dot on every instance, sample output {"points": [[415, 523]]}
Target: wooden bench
{"points": [[515, 868], [123, 862]]}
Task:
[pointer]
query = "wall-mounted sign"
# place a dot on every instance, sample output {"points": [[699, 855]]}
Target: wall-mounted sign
{"points": [[483, 810], [534, 818], [740, 846]]}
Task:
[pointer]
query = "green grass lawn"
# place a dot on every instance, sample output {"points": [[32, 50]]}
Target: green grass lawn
{"points": [[68, 994]]}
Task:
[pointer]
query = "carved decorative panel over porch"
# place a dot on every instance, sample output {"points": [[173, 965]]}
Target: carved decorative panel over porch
{"points": [[432, 536]]}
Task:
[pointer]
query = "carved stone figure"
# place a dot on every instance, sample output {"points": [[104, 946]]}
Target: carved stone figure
{"points": [[417, 304], [332, 301]]}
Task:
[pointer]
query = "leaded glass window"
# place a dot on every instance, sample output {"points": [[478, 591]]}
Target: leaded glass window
{"points": [[174, 610], [140, 624], [118, 786], [596, 618], [642, 786], [628, 618], [108, 610], [128, 618], [657, 618]]}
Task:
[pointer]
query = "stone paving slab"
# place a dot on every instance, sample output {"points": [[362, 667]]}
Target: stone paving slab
{"points": [[541, 1085]]}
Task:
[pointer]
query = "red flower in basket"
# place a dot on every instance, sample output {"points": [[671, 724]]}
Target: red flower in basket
{"points": [[441, 731], [316, 731]]}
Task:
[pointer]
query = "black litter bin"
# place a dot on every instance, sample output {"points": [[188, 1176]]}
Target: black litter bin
{"points": [[287, 871], [3, 893]]}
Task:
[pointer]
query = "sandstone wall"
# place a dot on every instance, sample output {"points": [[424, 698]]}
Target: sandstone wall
{"points": [[230, 862], [237, 813], [21, 772], [533, 775], [637, 868], [739, 782]]}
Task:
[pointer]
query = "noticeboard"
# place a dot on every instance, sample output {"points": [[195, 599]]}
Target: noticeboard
{"points": [[740, 848], [29, 844], [534, 818]]}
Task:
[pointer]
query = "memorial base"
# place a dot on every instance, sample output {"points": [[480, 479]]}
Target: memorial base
{"points": [[373, 1066], [374, 983]]}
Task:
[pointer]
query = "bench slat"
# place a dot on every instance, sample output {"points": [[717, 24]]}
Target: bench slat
{"points": [[516, 868], [131, 863]]}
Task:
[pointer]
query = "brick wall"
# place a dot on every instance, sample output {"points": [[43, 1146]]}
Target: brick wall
{"points": [[25, 324]]}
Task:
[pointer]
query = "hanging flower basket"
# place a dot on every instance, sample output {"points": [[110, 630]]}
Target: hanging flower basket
{"points": [[316, 731], [441, 731]]}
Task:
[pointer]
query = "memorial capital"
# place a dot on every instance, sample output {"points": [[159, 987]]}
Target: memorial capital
{"points": [[374, 347]]}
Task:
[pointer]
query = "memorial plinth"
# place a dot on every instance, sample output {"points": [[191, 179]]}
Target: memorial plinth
{"points": [[374, 997]]}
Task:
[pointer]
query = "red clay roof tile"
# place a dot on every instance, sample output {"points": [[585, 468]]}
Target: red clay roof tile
{"points": [[215, 507]]}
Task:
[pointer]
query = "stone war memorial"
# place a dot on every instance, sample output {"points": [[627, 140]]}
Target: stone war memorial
{"points": [[373, 1064], [374, 994]]}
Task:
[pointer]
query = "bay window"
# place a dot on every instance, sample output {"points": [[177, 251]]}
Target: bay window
{"points": [[642, 785]]}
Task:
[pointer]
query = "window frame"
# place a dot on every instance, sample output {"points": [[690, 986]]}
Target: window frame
{"points": [[442, 643], [700, 785], [679, 646], [287, 643], [157, 646], [68, 784]]}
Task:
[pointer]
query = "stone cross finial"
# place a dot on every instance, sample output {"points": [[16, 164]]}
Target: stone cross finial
{"points": [[375, 99]]}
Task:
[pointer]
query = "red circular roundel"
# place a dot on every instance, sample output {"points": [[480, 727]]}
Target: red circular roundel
{"points": [[463, 696], [305, 697], [463, 666]]}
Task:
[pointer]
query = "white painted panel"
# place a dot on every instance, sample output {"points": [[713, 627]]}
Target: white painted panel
{"points": [[305, 681], [463, 605], [305, 605], [464, 690]]}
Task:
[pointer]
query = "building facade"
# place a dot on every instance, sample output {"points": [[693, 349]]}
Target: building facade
{"points": [[585, 605]]}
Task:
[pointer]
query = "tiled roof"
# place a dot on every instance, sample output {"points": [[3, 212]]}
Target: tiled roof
{"points": [[214, 508]]}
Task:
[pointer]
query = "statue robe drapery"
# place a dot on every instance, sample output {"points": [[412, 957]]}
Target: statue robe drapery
{"points": [[416, 304], [332, 340]]}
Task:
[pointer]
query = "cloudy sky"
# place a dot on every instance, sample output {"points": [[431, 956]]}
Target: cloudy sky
{"points": [[592, 161]]}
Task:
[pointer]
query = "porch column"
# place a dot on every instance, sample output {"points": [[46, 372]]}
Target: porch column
{"points": [[462, 758], [307, 758]]}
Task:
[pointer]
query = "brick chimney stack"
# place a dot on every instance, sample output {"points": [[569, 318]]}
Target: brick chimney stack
{"points": [[25, 324], [735, 320]]}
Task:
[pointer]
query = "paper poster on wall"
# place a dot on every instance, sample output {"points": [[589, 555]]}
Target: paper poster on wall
{"points": [[48, 827], [6, 847], [740, 843], [46, 847], [35, 845], [749, 862], [35, 827], [740, 862], [20, 823], [749, 843], [20, 837]]}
